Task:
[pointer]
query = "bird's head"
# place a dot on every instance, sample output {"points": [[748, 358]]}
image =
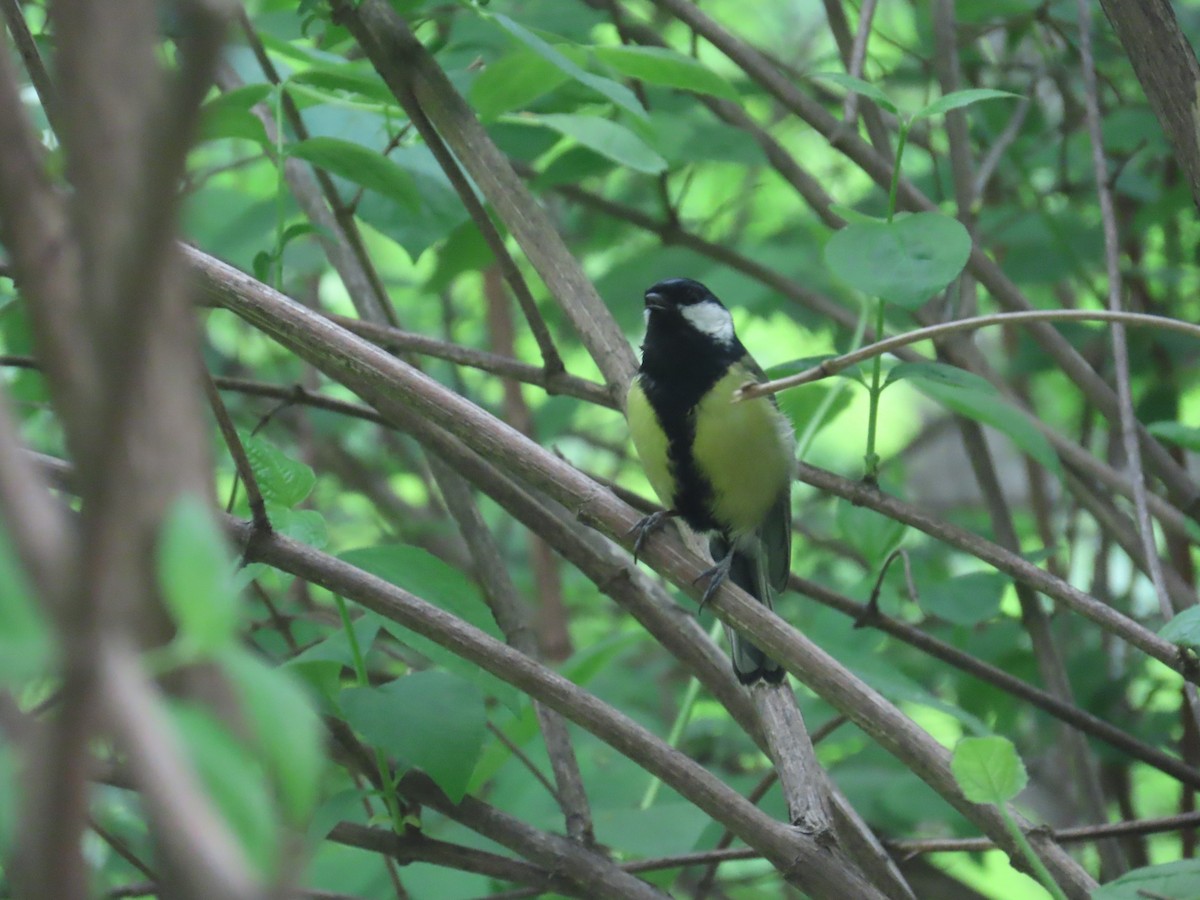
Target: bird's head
{"points": [[681, 303]]}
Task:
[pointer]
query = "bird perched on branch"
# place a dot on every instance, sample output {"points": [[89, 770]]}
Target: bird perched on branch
{"points": [[725, 468]]}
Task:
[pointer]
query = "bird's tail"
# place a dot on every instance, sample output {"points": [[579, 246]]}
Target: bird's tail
{"points": [[748, 571]]}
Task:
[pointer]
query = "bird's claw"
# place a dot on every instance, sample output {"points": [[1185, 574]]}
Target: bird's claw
{"points": [[716, 577], [645, 527]]}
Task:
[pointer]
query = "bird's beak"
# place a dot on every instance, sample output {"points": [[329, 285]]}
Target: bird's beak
{"points": [[655, 301]]}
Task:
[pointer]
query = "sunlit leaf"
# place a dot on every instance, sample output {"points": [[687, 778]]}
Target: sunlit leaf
{"points": [[614, 91], [959, 99], [663, 66], [609, 139], [988, 769]]}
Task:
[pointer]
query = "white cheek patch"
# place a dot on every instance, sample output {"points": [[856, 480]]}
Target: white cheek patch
{"points": [[711, 319]]}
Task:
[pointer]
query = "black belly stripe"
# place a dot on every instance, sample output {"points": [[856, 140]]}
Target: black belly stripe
{"points": [[680, 366]]}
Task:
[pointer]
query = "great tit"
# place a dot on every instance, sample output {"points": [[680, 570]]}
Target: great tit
{"points": [[725, 468]]}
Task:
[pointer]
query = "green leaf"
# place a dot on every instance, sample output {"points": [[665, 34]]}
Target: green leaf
{"points": [[988, 769], [939, 373], [228, 115], [196, 576], [660, 65], [432, 720], [959, 99], [304, 525], [905, 261], [234, 780], [11, 798], [609, 139], [282, 480], [858, 86], [1184, 629], [872, 534], [27, 647], [336, 647], [1176, 433], [419, 572], [350, 78], [513, 82], [965, 599], [1179, 880], [614, 91], [285, 726], [361, 165], [990, 409]]}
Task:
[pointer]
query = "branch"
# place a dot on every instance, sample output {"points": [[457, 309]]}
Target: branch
{"points": [[1006, 561], [400, 391], [406, 65], [799, 859], [1165, 64]]}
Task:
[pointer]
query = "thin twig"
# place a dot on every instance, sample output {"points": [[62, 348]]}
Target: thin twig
{"points": [[837, 364], [241, 462]]}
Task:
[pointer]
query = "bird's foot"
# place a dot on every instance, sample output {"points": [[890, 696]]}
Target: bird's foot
{"points": [[647, 526], [716, 577]]}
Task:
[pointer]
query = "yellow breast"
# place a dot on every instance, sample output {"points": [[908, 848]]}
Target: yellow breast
{"points": [[650, 442], [746, 451]]}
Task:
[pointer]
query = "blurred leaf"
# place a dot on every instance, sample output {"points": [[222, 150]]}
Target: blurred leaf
{"points": [[959, 99], [988, 769], [1184, 629], [1179, 880], [352, 78], [10, 798], [662, 830], [27, 646], [196, 576], [966, 599], [609, 139], [660, 65], [234, 780], [857, 86], [614, 91], [1176, 433], [431, 720], [362, 165], [286, 730], [904, 262], [228, 115]]}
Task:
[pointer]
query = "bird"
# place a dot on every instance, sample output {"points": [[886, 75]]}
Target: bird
{"points": [[724, 467]]}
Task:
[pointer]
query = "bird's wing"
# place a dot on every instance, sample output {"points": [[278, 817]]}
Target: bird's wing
{"points": [[775, 534]]}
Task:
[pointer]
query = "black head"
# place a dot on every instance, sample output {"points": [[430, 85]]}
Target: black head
{"points": [[683, 305]]}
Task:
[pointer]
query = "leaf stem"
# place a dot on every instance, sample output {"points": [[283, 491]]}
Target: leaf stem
{"points": [[388, 783], [1035, 862], [876, 389], [901, 140], [681, 719]]}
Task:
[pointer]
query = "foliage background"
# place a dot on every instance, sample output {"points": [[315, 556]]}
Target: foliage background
{"points": [[727, 183]]}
